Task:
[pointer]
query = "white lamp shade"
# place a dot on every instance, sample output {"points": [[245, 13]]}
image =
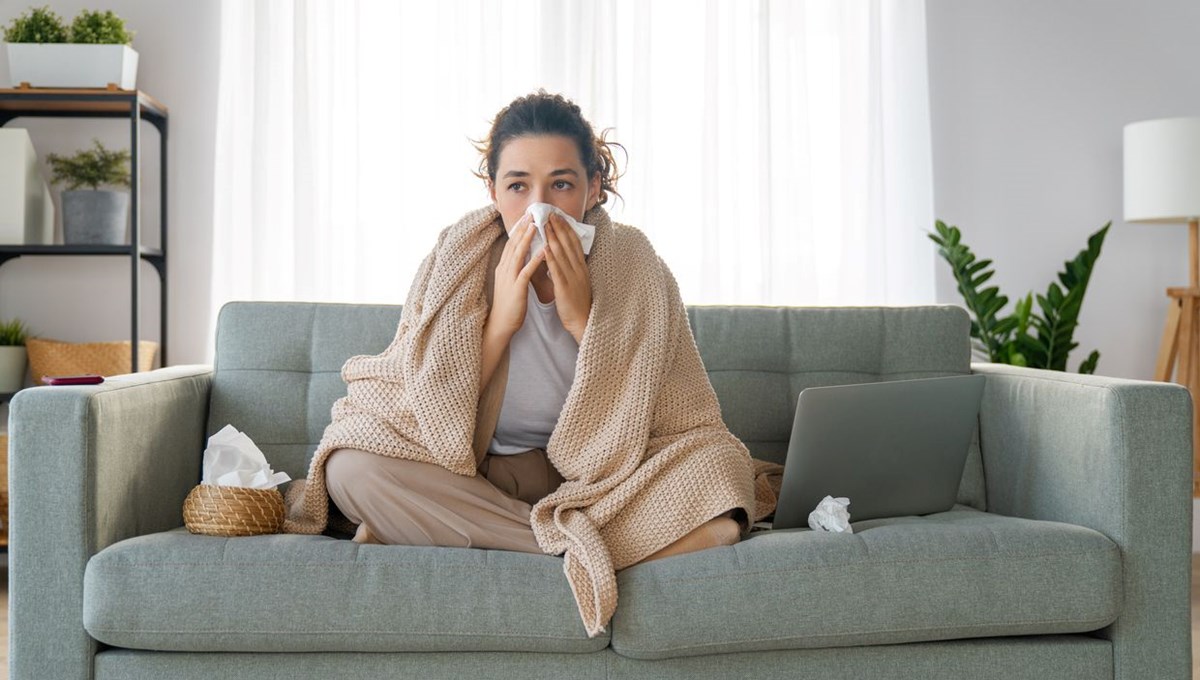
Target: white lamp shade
{"points": [[1162, 170]]}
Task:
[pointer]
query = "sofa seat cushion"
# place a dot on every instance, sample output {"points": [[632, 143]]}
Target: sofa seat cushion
{"points": [[175, 591], [956, 574]]}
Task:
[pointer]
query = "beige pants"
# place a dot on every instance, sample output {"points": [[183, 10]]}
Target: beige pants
{"points": [[404, 502]]}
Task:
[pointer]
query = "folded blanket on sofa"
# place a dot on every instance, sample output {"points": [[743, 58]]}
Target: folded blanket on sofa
{"points": [[640, 439]]}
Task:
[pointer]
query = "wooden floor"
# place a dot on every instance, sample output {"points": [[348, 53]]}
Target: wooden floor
{"points": [[4, 618]]}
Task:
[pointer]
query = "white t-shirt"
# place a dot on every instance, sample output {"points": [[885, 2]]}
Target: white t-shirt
{"points": [[541, 368]]}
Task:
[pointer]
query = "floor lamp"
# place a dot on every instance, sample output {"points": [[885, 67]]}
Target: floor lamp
{"points": [[1162, 186]]}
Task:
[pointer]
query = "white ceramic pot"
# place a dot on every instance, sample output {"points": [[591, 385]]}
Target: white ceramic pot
{"points": [[71, 65], [12, 368]]}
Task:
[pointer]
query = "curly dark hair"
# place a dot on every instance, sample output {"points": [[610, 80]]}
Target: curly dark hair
{"points": [[542, 113]]}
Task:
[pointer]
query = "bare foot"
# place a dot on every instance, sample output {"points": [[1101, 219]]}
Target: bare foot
{"points": [[364, 535], [718, 531]]}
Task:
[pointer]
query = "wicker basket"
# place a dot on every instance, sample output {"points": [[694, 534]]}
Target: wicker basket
{"points": [[233, 510], [52, 357]]}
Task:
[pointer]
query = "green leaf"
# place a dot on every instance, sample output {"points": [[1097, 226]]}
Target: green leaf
{"points": [[1005, 325], [977, 266], [982, 278], [13, 333], [1061, 309], [1039, 337], [1088, 366], [91, 168], [39, 25], [100, 28], [969, 274]]}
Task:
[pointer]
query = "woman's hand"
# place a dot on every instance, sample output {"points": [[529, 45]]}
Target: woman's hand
{"points": [[509, 297], [569, 272]]}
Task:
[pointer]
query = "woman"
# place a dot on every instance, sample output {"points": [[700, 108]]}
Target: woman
{"points": [[556, 405]]}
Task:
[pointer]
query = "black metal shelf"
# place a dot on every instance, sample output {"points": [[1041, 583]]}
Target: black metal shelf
{"points": [[135, 106]]}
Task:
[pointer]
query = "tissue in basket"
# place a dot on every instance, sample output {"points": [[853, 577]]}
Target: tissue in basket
{"points": [[237, 496], [232, 510]]}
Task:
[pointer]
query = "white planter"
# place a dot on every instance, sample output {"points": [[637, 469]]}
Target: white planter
{"points": [[70, 65], [12, 368]]}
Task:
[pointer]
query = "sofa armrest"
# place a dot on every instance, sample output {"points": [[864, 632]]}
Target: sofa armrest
{"points": [[1113, 455], [90, 466]]}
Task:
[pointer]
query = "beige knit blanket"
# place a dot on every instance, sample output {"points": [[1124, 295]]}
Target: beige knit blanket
{"points": [[640, 440]]}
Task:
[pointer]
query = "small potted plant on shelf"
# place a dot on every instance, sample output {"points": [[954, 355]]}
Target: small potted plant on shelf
{"points": [[93, 52], [93, 216], [12, 355]]}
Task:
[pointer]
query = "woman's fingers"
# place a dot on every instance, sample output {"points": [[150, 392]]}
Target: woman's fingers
{"points": [[568, 247], [526, 273], [527, 236], [518, 244], [515, 236], [552, 257]]}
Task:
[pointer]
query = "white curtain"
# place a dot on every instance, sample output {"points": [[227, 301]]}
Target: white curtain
{"points": [[779, 150]]}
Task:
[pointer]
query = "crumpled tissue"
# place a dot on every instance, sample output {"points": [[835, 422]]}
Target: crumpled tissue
{"points": [[541, 212], [831, 515], [232, 459]]}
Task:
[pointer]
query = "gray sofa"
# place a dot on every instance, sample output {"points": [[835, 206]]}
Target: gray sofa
{"points": [[1067, 556]]}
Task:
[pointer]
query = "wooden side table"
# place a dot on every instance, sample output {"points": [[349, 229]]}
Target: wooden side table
{"points": [[1179, 353]]}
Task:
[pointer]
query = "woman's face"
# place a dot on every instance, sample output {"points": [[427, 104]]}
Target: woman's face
{"points": [[542, 169]]}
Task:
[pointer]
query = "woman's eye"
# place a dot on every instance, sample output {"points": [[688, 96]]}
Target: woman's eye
{"points": [[515, 186], [562, 184]]}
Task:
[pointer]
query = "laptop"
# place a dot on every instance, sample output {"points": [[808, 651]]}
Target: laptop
{"points": [[893, 448]]}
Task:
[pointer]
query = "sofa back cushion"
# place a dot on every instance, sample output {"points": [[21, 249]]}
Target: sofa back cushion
{"points": [[278, 366]]}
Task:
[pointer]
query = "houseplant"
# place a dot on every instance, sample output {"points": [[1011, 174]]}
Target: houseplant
{"points": [[12, 355], [93, 216], [1008, 340], [94, 52]]}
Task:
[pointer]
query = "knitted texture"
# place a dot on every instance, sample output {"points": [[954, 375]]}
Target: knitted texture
{"points": [[640, 439]]}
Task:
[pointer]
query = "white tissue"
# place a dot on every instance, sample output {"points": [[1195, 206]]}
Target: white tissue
{"points": [[541, 212], [232, 459], [831, 515]]}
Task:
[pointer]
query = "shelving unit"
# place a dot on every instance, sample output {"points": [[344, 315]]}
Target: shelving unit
{"points": [[135, 106]]}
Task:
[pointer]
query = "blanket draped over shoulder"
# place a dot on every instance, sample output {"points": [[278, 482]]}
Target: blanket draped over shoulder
{"points": [[640, 439]]}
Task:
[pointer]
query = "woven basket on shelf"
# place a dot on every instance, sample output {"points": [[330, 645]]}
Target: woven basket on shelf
{"points": [[232, 510], [52, 357]]}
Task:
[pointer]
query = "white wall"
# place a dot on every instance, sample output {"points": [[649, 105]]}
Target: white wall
{"points": [[88, 298], [1028, 101]]}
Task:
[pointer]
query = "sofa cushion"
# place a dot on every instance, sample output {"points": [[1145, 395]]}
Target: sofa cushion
{"points": [[956, 574], [289, 593], [758, 360]]}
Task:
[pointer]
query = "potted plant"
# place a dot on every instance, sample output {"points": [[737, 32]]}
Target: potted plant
{"points": [[1037, 338], [12, 355], [94, 52], [92, 216]]}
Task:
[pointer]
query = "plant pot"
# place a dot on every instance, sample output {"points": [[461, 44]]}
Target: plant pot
{"points": [[12, 368], [69, 65], [95, 217]]}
